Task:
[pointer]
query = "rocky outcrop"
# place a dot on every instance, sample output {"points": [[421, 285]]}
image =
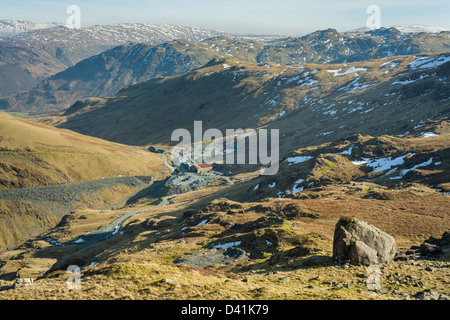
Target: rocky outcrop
{"points": [[432, 248], [359, 243]]}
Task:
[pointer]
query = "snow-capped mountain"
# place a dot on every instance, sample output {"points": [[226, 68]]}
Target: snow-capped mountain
{"points": [[421, 28], [118, 34], [74, 45], [416, 28], [9, 28]]}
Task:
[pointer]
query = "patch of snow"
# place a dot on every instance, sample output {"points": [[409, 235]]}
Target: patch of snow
{"points": [[201, 223], [298, 159], [116, 229], [296, 188], [359, 162], [405, 171], [428, 134], [347, 152], [383, 164], [403, 82], [429, 62], [392, 64], [350, 70], [227, 245], [325, 133], [354, 85], [53, 242], [281, 194], [408, 81]]}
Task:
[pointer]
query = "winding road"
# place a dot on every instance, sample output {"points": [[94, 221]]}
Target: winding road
{"points": [[112, 228]]}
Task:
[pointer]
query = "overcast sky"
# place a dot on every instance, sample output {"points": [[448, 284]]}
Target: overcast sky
{"points": [[285, 17]]}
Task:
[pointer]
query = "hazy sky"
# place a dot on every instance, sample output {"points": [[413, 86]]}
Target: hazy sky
{"points": [[288, 17]]}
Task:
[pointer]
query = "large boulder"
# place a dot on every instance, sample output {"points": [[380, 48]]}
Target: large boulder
{"points": [[359, 243]]}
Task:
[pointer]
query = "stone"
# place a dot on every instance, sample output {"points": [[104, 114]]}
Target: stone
{"points": [[357, 242], [316, 260], [399, 256], [427, 295], [430, 250]]}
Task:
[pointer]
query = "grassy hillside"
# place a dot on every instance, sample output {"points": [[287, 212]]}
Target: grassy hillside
{"points": [[34, 155]]}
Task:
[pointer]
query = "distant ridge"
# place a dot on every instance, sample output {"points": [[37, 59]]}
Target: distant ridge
{"points": [[416, 28]]}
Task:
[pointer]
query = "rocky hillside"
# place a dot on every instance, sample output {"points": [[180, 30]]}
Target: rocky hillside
{"points": [[28, 212], [417, 159]]}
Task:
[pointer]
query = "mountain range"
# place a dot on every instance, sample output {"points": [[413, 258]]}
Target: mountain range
{"points": [[67, 46], [105, 74], [10, 27]]}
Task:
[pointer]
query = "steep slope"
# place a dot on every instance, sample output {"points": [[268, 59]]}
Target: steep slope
{"points": [[35, 155], [21, 68], [45, 173], [310, 103]]}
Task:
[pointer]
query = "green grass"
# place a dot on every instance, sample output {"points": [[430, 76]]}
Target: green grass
{"points": [[22, 115]]}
